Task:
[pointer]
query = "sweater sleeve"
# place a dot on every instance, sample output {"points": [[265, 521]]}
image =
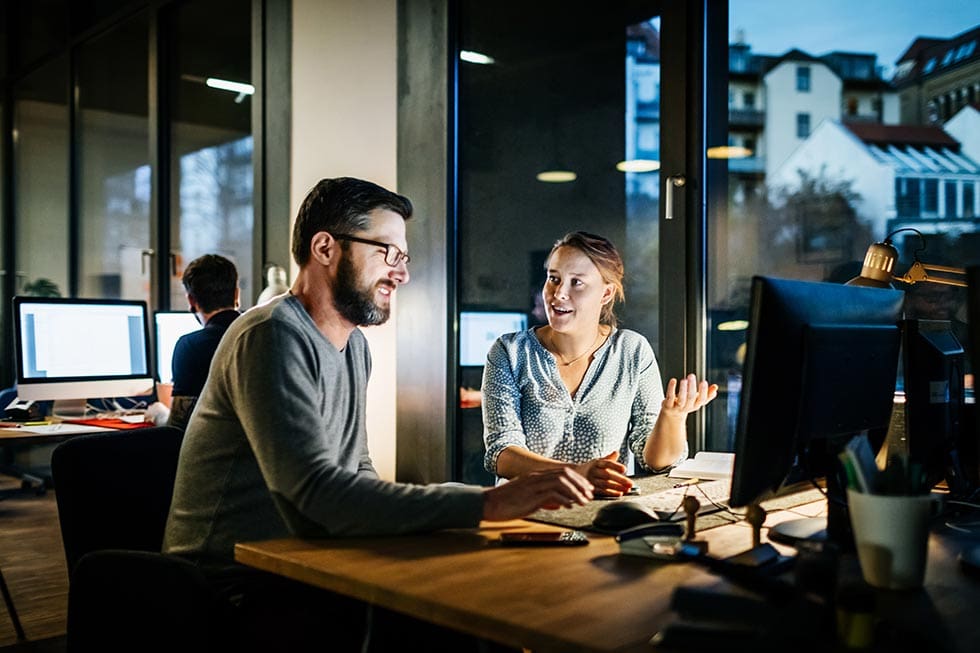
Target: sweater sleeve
{"points": [[319, 486]]}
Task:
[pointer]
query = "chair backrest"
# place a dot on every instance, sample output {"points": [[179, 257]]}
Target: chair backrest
{"points": [[114, 489]]}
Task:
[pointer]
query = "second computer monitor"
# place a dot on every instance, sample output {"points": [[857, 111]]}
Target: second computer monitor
{"points": [[169, 327], [820, 367], [76, 349], [479, 329]]}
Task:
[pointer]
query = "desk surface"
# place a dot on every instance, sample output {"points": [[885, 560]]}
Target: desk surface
{"points": [[47, 433], [586, 598]]}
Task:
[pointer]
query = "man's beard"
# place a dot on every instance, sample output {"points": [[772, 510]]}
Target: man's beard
{"points": [[356, 304]]}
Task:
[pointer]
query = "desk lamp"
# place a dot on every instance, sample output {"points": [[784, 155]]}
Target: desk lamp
{"points": [[880, 261]]}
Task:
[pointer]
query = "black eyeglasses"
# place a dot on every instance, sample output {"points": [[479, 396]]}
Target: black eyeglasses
{"points": [[393, 255]]}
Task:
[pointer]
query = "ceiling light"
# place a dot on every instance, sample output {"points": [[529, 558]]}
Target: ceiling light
{"points": [[470, 56], [729, 152], [733, 325], [638, 165], [234, 87], [556, 176]]}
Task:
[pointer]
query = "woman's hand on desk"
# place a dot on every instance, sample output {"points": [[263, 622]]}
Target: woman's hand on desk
{"points": [[549, 489], [607, 475]]}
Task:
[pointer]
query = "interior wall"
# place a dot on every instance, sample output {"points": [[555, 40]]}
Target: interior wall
{"points": [[344, 103]]}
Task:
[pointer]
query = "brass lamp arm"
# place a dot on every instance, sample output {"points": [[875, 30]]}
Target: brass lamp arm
{"points": [[920, 272]]}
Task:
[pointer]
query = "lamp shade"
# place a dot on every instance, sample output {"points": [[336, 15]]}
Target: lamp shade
{"points": [[878, 265]]}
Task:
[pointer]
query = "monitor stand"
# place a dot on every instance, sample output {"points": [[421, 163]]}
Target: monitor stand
{"points": [[806, 529], [69, 408]]}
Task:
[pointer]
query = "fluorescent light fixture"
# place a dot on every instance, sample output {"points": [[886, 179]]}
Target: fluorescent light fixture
{"points": [[733, 325], [728, 152], [470, 56], [234, 87], [638, 165], [556, 176]]}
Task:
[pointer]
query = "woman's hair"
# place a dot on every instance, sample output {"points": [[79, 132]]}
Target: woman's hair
{"points": [[604, 256]]}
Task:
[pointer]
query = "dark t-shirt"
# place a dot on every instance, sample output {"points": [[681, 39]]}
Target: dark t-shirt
{"points": [[194, 351]]}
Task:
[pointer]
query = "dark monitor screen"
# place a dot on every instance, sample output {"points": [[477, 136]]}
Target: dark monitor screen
{"points": [[169, 326], [479, 329], [81, 348], [820, 367], [932, 381]]}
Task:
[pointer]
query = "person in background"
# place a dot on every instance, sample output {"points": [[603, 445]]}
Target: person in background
{"points": [[580, 392], [277, 445], [211, 285]]}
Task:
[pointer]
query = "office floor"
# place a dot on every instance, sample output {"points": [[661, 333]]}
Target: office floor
{"points": [[33, 563]]}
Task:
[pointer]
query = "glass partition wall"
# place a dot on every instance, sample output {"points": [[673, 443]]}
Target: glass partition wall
{"points": [[127, 146], [559, 130]]}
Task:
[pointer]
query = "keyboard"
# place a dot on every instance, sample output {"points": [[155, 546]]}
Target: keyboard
{"points": [[713, 496]]}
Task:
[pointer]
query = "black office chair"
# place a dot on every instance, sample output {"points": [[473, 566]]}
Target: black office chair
{"points": [[113, 492]]}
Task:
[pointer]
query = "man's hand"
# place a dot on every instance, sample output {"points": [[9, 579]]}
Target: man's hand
{"points": [[549, 488], [607, 475]]}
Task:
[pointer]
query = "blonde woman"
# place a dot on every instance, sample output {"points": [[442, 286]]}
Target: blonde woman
{"points": [[580, 392]]}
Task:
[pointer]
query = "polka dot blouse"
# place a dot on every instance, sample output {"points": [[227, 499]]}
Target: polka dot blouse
{"points": [[525, 403]]}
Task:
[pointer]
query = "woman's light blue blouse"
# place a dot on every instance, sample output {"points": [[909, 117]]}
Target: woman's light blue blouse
{"points": [[526, 404]]}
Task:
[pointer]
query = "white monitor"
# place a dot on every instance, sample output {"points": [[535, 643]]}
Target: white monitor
{"points": [[81, 348], [169, 327], [479, 329]]}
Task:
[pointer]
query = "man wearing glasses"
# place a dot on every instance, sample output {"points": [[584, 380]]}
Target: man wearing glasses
{"points": [[277, 445]]}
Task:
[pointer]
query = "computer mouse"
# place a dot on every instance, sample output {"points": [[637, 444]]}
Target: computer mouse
{"points": [[620, 515]]}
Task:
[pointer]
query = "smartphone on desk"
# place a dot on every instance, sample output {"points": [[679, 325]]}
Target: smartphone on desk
{"points": [[543, 538]]}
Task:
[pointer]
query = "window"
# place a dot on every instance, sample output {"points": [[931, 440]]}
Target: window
{"points": [[950, 200], [802, 125], [907, 197], [969, 199], [112, 131], [211, 137], [749, 100], [930, 197], [852, 106], [803, 79]]}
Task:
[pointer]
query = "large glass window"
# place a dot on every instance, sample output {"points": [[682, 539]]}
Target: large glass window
{"points": [[211, 165], [41, 180], [561, 132], [114, 165], [813, 207]]}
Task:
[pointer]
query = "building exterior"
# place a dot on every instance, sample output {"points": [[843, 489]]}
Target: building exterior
{"points": [[924, 177], [776, 102], [935, 78]]}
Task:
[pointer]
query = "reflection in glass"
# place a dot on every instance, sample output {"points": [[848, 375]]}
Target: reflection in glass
{"points": [[114, 168], [570, 88], [845, 150], [41, 183], [212, 139]]}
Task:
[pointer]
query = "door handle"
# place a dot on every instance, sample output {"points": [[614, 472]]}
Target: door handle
{"points": [[671, 183], [145, 254]]}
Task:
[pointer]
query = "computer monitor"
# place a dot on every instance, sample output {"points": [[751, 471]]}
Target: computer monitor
{"points": [[169, 326], [932, 381], [479, 329], [81, 348], [820, 368]]}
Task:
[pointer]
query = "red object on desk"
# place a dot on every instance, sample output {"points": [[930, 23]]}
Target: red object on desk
{"points": [[110, 423]]}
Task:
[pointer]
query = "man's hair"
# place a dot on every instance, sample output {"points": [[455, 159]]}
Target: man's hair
{"points": [[340, 206], [211, 280], [606, 257]]}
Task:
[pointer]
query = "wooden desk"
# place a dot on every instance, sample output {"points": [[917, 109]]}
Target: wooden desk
{"points": [[585, 598]]}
